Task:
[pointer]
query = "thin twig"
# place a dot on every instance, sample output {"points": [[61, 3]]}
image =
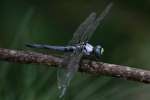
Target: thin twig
{"points": [[87, 66]]}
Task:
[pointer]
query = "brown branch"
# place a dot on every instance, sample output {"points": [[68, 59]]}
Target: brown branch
{"points": [[92, 67]]}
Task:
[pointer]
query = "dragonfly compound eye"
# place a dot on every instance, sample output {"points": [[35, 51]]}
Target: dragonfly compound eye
{"points": [[98, 51]]}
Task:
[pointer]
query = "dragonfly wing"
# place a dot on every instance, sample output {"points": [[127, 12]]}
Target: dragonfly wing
{"points": [[82, 28], [92, 27], [69, 66], [71, 60]]}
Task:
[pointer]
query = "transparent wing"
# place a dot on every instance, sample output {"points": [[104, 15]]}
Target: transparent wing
{"points": [[92, 27], [82, 29], [71, 60], [69, 68]]}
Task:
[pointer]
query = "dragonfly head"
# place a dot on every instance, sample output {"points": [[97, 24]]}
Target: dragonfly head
{"points": [[98, 51]]}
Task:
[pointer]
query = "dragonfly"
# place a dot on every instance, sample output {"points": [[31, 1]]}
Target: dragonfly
{"points": [[77, 47]]}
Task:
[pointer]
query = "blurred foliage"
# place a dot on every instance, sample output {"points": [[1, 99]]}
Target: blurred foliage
{"points": [[124, 34]]}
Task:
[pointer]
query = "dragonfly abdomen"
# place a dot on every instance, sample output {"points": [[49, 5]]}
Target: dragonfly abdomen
{"points": [[70, 48], [50, 47]]}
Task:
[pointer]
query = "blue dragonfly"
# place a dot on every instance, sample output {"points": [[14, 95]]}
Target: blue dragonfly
{"points": [[76, 48]]}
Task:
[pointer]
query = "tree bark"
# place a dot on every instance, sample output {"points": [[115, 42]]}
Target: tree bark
{"points": [[86, 65]]}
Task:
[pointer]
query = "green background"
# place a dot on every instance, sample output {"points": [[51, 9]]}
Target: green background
{"points": [[124, 34]]}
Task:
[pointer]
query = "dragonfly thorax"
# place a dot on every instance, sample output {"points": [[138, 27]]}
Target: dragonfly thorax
{"points": [[88, 49], [97, 51], [85, 48]]}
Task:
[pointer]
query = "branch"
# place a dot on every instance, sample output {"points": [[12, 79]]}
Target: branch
{"points": [[87, 66]]}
